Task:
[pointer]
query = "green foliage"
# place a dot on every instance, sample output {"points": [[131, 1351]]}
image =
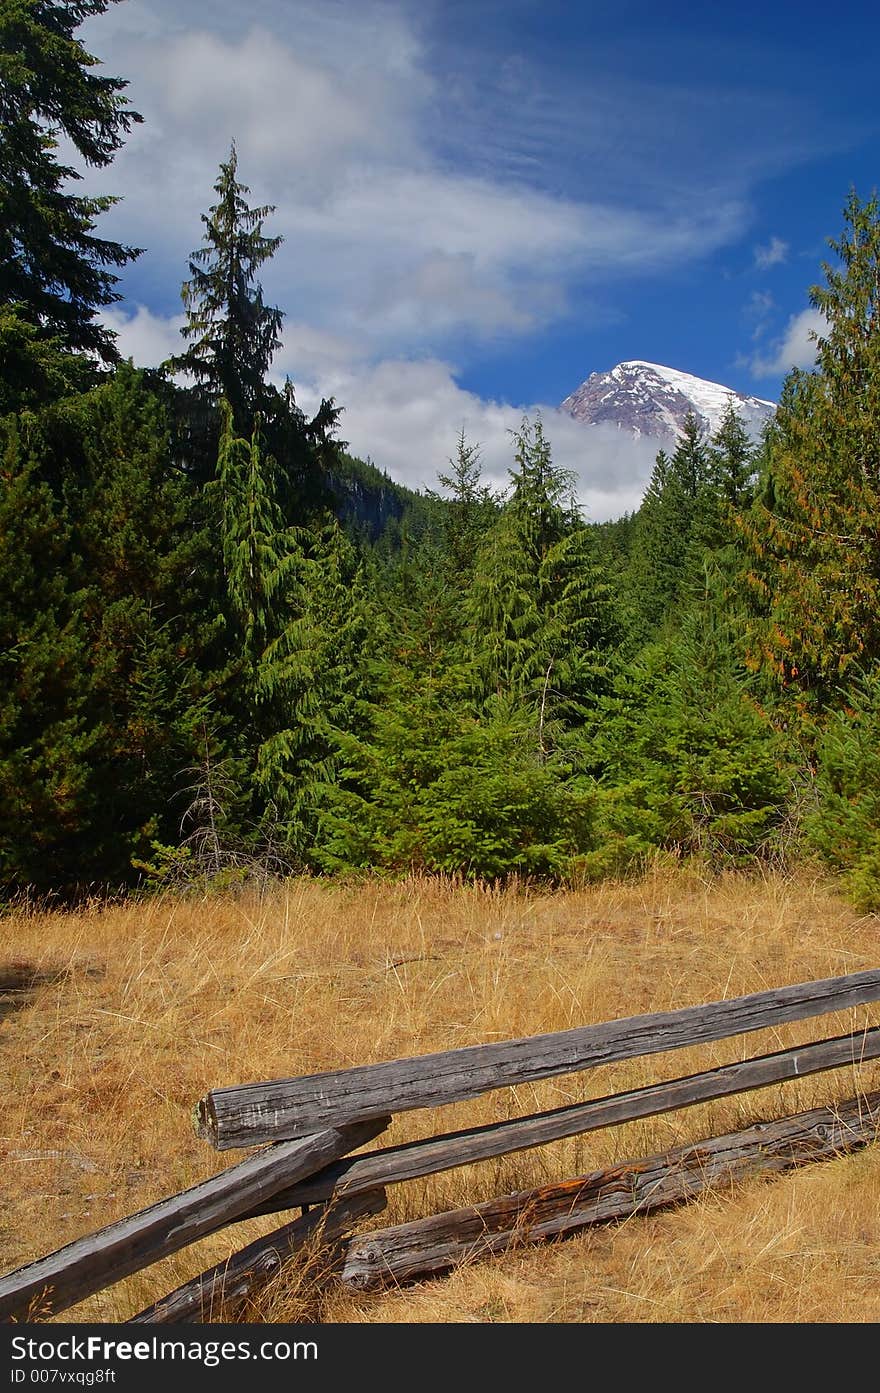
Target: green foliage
{"points": [[208, 677], [46, 743], [844, 828], [540, 616], [811, 536], [434, 787], [732, 461], [471, 508], [106, 632], [234, 334], [234, 337], [672, 527], [310, 682], [257, 554], [685, 760], [53, 268], [36, 370]]}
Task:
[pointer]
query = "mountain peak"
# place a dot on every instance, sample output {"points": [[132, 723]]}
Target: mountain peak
{"points": [[648, 399]]}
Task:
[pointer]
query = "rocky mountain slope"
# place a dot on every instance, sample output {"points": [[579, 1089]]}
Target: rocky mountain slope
{"points": [[649, 400]]}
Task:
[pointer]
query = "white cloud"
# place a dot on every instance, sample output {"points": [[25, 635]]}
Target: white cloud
{"points": [[775, 252], [385, 239], [406, 414], [757, 311], [287, 112], [146, 337], [424, 209], [794, 349]]}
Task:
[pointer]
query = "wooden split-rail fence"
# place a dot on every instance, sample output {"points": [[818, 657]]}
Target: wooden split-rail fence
{"points": [[308, 1128]]}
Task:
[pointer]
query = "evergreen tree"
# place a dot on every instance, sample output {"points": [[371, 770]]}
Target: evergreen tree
{"points": [[470, 508], [431, 778], [108, 634], [542, 495], [811, 536], [46, 746], [255, 546], [234, 337], [311, 687], [233, 334], [539, 613], [671, 525], [294, 633], [36, 370], [141, 536], [503, 613], [54, 271], [732, 460], [844, 823], [685, 760]]}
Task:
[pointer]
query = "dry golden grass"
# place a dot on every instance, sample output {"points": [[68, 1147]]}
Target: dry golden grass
{"points": [[143, 1008]]}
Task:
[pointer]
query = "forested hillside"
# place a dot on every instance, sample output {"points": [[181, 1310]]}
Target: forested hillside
{"points": [[230, 648]]}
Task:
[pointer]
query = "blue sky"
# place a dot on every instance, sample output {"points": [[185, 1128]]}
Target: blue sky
{"points": [[484, 202]]}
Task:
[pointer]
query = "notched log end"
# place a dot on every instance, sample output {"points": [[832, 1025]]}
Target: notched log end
{"points": [[204, 1120]]}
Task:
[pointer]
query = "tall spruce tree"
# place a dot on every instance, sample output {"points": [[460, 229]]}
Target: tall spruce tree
{"points": [[812, 535], [539, 614], [108, 637], [732, 460], [233, 339], [233, 334], [54, 271], [470, 507], [311, 680], [669, 524], [291, 641]]}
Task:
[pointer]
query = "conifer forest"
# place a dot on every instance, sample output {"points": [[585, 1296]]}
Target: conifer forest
{"points": [[229, 648]]}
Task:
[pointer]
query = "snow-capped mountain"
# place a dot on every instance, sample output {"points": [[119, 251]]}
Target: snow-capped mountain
{"points": [[649, 400]]}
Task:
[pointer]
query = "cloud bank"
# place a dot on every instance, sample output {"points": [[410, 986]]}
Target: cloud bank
{"points": [[406, 415], [437, 199]]}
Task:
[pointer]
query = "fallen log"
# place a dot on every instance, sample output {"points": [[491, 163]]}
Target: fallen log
{"points": [[434, 1245], [88, 1264], [434, 1154], [212, 1293], [245, 1114]]}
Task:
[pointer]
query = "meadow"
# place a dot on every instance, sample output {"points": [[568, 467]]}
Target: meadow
{"points": [[140, 1008]]}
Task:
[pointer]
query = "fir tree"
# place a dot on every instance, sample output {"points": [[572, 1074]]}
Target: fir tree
{"points": [[54, 270], [46, 745], [671, 525], [470, 508], [254, 543], [292, 641], [233, 334], [108, 632], [311, 686], [732, 460], [542, 495], [539, 614], [234, 337], [36, 370], [811, 536]]}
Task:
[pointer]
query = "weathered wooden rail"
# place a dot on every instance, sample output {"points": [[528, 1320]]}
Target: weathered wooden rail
{"points": [[312, 1124], [248, 1114], [435, 1154], [89, 1264], [430, 1246]]}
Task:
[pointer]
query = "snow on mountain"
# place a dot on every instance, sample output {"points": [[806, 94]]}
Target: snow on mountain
{"points": [[647, 399]]}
